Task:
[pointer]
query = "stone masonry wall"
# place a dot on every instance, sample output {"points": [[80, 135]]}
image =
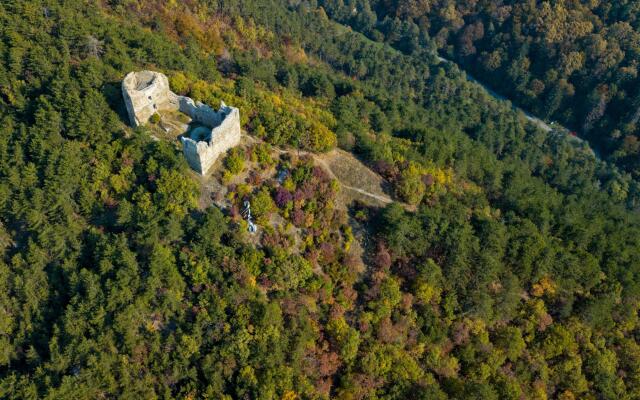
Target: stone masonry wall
{"points": [[224, 135], [200, 112], [147, 92]]}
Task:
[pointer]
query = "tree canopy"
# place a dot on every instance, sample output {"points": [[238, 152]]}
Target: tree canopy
{"points": [[506, 268]]}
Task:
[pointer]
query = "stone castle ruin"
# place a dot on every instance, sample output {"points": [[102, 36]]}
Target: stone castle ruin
{"points": [[210, 132]]}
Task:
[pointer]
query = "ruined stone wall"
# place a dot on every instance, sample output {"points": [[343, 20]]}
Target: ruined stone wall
{"points": [[200, 112], [192, 154], [225, 134], [145, 93]]}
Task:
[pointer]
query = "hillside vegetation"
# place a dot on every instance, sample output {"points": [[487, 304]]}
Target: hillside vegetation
{"points": [[516, 277], [571, 61]]}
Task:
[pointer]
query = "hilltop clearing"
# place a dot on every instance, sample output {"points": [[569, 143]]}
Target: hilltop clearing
{"points": [[358, 181], [355, 179]]}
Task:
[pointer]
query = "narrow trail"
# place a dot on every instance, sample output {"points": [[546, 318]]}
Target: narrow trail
{"points": [[327, 167], [384, 199]]}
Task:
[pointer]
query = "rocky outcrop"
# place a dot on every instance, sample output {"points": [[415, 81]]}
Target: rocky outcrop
{"points": [[213, 132]]}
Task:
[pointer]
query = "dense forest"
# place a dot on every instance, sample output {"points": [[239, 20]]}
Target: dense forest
{"points": [[570, 61], [508, 267]]}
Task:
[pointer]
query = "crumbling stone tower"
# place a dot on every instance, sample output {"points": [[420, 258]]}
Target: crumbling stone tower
{"points": [[212, 133], [146, 93]]}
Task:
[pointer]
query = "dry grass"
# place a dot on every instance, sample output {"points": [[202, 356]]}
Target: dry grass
{"points": [[357, 181], [352, 172]]}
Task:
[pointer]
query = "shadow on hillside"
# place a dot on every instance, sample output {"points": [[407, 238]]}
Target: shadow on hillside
{"points": [[112, 92]]}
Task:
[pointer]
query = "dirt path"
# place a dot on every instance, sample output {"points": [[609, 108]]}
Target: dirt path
{"points": [[380, 197], [384, 199]]}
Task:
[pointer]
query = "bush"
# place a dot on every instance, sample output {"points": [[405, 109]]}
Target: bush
{"points": [[179, 83], [155, 118], [234, 162], [261, 153], [411, 188], [262, 204]]}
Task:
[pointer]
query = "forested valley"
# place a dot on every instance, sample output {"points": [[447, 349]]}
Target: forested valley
{"points": [[508, 266], [570, 61]]}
